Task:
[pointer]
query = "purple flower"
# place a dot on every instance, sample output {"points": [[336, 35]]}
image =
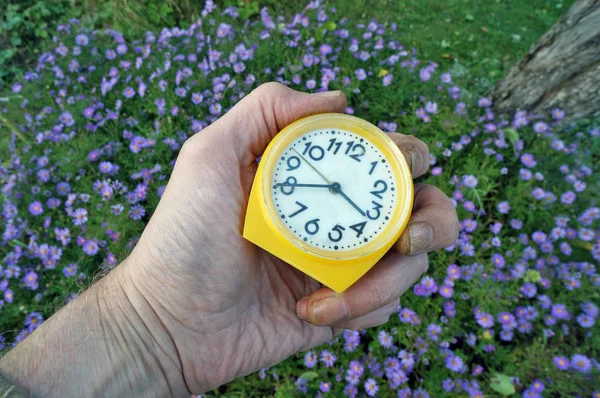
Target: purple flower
{"points": [[568, 198], [581, 363], [80, 216], [558, 114], [70, 270], [448, 385], [539, 193], [446, 291], [590, 309], [67, 119], [36, 208], [223, 30], [324, 387], [385, 339], [528, 160], [484, 102], [455, 363], [431, 107], [470, 181], [484, 320], [310, 359], [356, 368], [129, 92], [529, 290], [585, 321], [81, 40], [360, 74], [105, 167], [433, 332], [446, 78], [503, 207], [507, 319], [560, 312], [327, 358], [137, 212], [371, 387], [540, 127], [90, 247], [30, 280]]}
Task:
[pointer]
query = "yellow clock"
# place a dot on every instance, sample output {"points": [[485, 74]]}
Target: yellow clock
{"points": [[331, 195]]}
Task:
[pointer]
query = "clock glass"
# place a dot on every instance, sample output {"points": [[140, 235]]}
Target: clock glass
{"points": [[336, 190]]}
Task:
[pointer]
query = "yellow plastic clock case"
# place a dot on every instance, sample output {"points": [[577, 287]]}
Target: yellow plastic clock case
{"points": [[337, 270]]}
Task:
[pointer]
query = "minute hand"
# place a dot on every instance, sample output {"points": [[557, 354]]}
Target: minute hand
{"points": [[312, 167], [362, 213]]}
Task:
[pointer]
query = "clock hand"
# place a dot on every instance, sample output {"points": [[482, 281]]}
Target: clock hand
{"points": [[286, 184], [337, 188], [362, 213], [312, 167]]}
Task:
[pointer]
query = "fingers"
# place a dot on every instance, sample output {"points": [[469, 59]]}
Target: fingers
{"points": [[370, 320], [382, 285], [433, 224], [414, 150], [258, 117]]}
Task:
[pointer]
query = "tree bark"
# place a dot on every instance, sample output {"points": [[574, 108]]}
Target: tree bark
{"points": [[561, 70]]}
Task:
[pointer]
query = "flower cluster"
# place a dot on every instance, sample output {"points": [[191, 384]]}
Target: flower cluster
{"points": [[100, 119]]}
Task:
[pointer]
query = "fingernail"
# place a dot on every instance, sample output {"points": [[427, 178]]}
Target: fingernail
{"points": [[335, 93], [329, 310], [301, 308], [416, 159], [420, 236]]}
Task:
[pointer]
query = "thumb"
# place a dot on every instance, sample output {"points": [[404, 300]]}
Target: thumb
{"points": [[253, 122]]}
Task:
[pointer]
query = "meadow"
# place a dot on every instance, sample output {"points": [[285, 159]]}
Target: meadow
{"points": [[94, 126]]}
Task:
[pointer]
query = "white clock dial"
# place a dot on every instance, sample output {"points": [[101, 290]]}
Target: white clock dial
{"points": [[334, 190]]}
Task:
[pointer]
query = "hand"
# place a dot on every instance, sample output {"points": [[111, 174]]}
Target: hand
{"points": [[195, 305]]}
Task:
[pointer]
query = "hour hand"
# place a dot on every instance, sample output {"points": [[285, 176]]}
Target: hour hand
{"points": [[288, 186]]}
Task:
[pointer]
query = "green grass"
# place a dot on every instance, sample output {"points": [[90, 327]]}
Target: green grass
{"points": [[478, 39]]}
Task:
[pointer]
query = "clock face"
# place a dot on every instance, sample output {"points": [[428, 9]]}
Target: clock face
{"points": [[334, 190]]}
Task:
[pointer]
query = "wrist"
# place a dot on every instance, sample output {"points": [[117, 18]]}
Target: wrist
{"points": [[138, 334], [99, 344]]}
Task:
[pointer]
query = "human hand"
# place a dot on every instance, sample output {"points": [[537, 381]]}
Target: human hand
{"points": [[195, 305], [229, 306]]}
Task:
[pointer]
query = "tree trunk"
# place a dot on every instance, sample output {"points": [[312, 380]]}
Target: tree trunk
{"points": [[561, 70]]}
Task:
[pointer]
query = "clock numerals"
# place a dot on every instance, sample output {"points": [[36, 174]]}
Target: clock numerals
{"points": [[376, 210], [358, 228], [333, 143], [315, 152], [373, 165], [287, 188], [302, 208], [337, 233], [379, 192], [358, 151], [293, 163], [355, 151], [312, 226]]}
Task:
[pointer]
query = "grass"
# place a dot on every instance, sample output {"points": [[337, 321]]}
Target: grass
{"points": [[477, 40]]}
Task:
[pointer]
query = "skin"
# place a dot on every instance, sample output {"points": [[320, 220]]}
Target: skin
{"points": [[195, 305]]}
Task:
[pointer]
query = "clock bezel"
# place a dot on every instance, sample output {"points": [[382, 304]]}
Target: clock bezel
{"points": [[400, 169]]}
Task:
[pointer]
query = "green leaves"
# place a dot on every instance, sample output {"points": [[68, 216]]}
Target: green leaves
{"points": [[511, 135], [308, 376], [502, 384], [247, 10]]}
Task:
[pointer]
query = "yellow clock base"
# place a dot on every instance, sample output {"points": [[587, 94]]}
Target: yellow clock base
{"points": [[335, 269], [337, 274]]}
